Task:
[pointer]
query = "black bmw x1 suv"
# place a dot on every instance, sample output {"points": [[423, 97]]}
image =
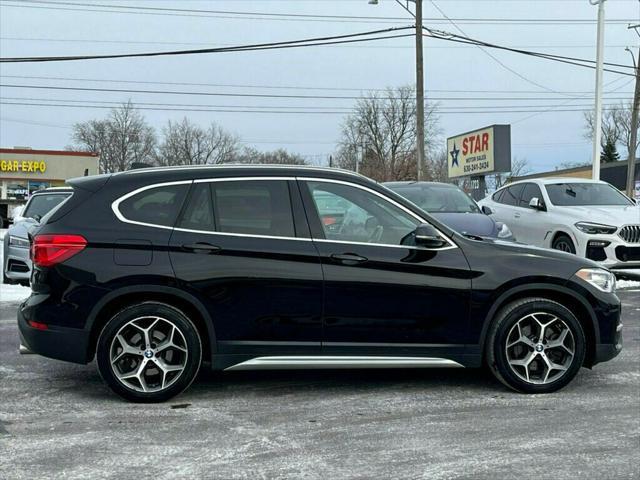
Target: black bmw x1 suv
{"points": [[156, 271]]}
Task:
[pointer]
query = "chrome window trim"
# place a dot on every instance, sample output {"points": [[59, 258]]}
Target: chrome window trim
{"points": [[116, 203], [247, 235], [115, 206]]}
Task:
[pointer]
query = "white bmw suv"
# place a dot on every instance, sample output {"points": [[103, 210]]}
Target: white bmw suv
{"points": [[590, 218]]}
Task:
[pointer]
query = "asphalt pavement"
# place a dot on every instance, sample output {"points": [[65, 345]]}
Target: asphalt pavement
{"points": [[58, 420]]}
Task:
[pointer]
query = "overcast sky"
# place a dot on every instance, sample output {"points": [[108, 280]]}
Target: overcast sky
{"points": [[456, 75]]}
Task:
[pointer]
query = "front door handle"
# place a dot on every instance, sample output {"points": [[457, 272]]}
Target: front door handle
{"points": [[349, 258], [201, 247], [516, 215]]}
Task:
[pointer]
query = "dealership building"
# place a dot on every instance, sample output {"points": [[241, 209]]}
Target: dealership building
{"points": [[25, 170]]}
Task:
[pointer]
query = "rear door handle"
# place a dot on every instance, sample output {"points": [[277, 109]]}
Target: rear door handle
{"points": [[201, 247], [516, 215], [349, 258]]}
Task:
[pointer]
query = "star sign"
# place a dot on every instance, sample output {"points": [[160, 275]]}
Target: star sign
{"points": [[454, 155]]}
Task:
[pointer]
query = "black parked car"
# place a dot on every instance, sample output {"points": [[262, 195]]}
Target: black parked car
{"points": [[154, 271], [453, 207]]}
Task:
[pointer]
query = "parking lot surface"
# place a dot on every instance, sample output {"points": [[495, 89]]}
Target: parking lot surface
{"points": [[59, 420]]}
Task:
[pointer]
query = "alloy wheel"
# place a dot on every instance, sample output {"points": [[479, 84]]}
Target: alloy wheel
{"points": [[540, 348], [564, 246], [148, 354]]}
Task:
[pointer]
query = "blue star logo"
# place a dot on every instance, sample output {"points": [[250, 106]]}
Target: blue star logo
{"points": [[454, 155]]}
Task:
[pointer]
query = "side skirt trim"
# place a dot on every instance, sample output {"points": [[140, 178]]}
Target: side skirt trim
{"points": [[310, 362]]}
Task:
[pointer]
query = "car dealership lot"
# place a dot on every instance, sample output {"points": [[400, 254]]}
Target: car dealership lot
{"points": [[59, 419]]}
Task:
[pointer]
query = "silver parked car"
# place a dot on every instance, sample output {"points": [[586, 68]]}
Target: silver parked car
{"points": [[17, 265]]}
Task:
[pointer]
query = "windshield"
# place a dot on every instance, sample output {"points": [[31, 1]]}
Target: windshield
{"points": [[40, 205], [439, 199], [577, 194]]}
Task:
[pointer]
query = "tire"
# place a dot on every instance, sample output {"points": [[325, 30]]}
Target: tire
{"points": [[521, 320], [564, 243], [153, 372]]}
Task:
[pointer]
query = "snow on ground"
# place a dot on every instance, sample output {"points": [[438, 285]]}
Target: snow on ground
{"points": [[627, 284], [16, 293], [10, 293]]}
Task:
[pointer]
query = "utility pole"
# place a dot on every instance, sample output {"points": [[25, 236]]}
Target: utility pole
{"points": [[419, 91], [419, 81], [631, 162], [597, 134]]}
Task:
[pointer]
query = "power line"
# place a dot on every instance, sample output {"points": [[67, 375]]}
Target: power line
{"points": [[275, 87], [451, 37], [446, 36], [308, 42], [249, 95], [244, 15], [548, 56], [298, 112], [156, 42], [283, 108]]}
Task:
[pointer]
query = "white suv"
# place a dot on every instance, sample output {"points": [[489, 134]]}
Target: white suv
{"points": [[590, 218]]}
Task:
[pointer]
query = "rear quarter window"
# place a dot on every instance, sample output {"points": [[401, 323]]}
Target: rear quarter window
{"points": [[155, 206]]}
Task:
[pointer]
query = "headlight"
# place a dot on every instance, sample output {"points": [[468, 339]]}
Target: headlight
{"points": [[504, 231], [596, 228], [18, 242], [601, 279]]}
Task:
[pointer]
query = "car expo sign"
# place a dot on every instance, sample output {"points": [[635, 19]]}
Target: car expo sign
{"points": [[480, 152], [25, 166]]}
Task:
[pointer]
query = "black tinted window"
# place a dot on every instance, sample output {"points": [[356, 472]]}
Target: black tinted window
{"points": [[531, 190], [511, 195], [156, 206], [42, 204], [198, 213], [568, 194], [497, 197], [255, 207]]}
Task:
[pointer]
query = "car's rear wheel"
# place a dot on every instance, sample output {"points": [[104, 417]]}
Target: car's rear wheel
{"points": [[149, 352], [564, 243], [535, 345]]}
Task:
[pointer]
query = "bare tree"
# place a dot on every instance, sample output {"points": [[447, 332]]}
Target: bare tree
{"points": [[439, 166], [275, 157], [616, 126], [122, 139], [381, 135], [184, 143], [519, 167]]}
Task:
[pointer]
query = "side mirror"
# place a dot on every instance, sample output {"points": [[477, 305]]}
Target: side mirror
{"points": [[427, 236], [486, 210], [537, 204]]}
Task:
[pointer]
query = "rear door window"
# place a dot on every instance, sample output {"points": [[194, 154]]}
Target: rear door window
{"points": [[155, 206], [511, 195], [253, 207], [198, 212]]}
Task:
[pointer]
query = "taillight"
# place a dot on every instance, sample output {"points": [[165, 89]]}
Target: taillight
{"points": [[49, 250]]}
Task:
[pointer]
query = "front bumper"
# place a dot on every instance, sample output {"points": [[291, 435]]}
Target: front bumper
{"points": [[17, 264], [60, 343], [617, 255]]}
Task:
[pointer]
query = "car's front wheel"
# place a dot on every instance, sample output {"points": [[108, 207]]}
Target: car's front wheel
{"points": [[149, 352], [564, 243], [535, 345]]}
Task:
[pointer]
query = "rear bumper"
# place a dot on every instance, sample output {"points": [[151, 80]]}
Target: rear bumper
{"points": [[60, 343]]}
